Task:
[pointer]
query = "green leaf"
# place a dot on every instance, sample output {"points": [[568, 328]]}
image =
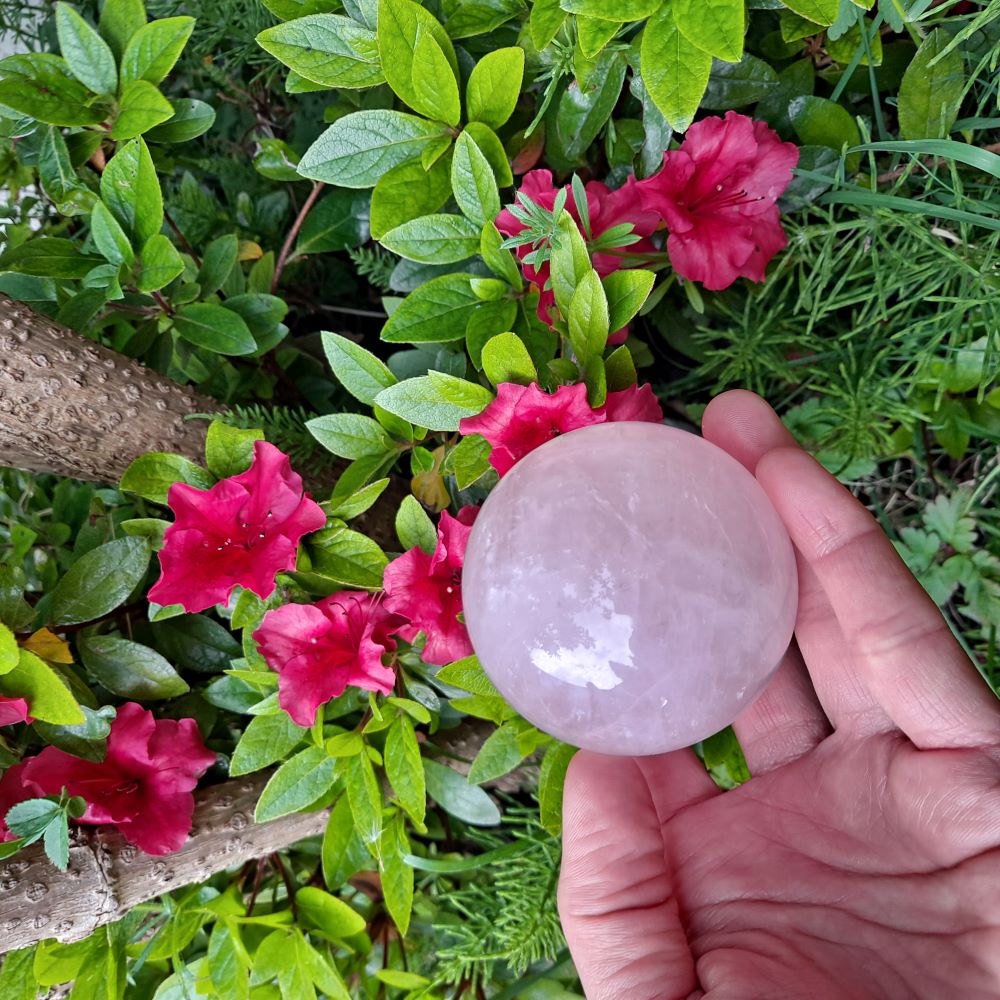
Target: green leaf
{"points": [[469, 460], [436, 401], [674, 71], [619, 368], [506, 359], [414, 528], [109, 237], [362, 374], [347, 744], [120, 20], [498, 756], [452, 792], [396, 875], [217, 263], [570, 262], [228, 975], [89, 58], [551, 779], [724, 758], [931, 91], [356, 150], [130, 188], [229, 450], [434, 84], [349, 435], [404, 769], [418, 59], [325, 912], [620, 10], [547, 17], [99, 582], [140, 108], [159, 264], [190, 119], [129, 669], [215, 328], [50, 257], [819, 122], [488, 141], [343, 852], [152, 51], [266, 739], [588, 318], [349, 558], [47, 694], [734, 85], [297, 784], [407, 192], [151, 475], [40, 86], [494, 86], [584, 108], [468, 675], [593, 34], [434, 239], [714, 26], [196, 642], [55, 171], [328, 49], [359, 501], [501, 262], [338, 222], [9, 650], [474, 185], [56, 841], [435, 312], [30, 818], [818, 11], [365, 797], [626, 291]]}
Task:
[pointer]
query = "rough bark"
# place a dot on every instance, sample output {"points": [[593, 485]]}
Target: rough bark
{"points": [[72, 407], [107, 877]]}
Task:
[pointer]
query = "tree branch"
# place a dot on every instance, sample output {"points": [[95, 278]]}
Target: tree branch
{"points": [[293, 233]]}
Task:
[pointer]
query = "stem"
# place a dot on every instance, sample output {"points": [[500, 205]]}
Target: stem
{"points": [[293, 233], [181, 238], [163, 303]]}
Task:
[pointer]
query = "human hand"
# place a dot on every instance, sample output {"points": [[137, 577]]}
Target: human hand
{"points": [[862, 860]]}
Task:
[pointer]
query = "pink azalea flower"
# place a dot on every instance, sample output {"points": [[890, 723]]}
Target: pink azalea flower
{"points": [[12, 790], [243, 531], [13, 710], [637, 402], [523, 417], [717, 196], [427, 590], [607, 208], [144, 784], [319, 649]]}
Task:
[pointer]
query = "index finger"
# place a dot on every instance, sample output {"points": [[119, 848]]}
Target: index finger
{"points": [[902, 646]]}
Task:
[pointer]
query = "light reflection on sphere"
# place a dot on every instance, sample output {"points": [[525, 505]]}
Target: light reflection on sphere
{"points": [[629, 588]]}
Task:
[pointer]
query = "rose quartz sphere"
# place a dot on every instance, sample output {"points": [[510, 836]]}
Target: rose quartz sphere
{"points": [[629, 588]]}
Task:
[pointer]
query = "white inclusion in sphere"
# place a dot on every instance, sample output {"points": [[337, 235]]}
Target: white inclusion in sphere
{"points": [[629, 588]]}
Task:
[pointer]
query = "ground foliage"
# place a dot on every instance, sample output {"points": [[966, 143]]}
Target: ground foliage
{"points": [[254, 174]]}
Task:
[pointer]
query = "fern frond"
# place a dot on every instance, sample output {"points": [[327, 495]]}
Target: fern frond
{"points": [[376, 264]]}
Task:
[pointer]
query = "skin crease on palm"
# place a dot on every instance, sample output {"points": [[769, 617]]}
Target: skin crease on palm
{"points": [[862, 859]]}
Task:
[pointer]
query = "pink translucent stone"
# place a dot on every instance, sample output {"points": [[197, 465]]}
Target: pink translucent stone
{"points": [[629, 588]]}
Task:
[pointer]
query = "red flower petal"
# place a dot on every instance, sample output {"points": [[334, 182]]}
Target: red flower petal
{"points": [[243, 531]]}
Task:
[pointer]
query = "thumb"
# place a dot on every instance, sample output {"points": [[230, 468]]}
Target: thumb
{"points": [[616, 899]]}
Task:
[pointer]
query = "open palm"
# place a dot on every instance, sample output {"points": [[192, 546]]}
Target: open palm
{"points": [[862, 860]]}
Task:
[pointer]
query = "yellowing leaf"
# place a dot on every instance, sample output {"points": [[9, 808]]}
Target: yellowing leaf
{"points": [[48, 646]]}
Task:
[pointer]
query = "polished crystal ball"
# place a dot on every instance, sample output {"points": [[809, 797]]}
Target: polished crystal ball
{"points": [[629, 588]]}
